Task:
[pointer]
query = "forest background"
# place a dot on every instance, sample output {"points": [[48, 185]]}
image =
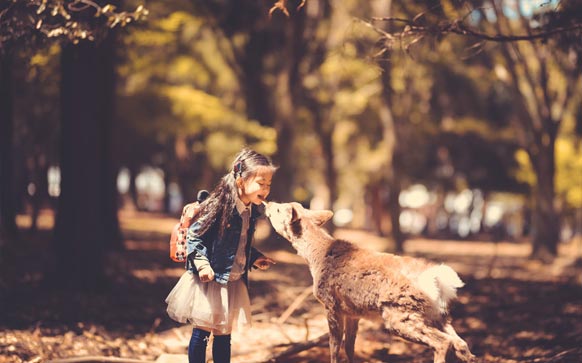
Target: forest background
{"points": [[446, 120]]}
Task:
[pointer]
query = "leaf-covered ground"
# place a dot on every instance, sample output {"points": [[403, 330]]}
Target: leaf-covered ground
{"points": [[511, 309]]}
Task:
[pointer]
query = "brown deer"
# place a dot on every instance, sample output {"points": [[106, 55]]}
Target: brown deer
{"points": [[410, 295]]}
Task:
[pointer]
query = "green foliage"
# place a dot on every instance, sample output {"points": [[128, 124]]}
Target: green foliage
{"points": [[200, 112], [569, 172], [179, 85], [568, 178], [346, 87], [183, 95]]}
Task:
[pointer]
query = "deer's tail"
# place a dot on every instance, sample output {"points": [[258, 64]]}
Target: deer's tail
{"points": [[440, 284]]}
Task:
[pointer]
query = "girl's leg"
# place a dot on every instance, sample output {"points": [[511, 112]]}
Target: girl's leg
{"points": [[197, 347], [221, 348]]}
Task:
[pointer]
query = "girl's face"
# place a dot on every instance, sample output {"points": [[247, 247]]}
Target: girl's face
{"points": [[256, 188]]}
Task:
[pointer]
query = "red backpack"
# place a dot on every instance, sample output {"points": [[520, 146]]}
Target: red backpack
{"points": [[178, 250]]}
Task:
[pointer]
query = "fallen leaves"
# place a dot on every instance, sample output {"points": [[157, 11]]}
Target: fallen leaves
{"points": [[510, 311]]}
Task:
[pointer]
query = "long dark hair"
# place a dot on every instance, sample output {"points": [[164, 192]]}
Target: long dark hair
{"points": [[220, 205]]}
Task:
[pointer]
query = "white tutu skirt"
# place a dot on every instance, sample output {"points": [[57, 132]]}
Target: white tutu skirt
{"points": [[210, 305]]}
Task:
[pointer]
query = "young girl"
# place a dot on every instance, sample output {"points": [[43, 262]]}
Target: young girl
{"points": [[212, 294]]}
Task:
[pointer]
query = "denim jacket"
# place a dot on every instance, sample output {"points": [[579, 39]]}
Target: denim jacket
{"points": [[220, 252]]}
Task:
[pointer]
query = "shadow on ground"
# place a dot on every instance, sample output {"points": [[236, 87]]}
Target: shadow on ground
{"points": [[509, 311]]}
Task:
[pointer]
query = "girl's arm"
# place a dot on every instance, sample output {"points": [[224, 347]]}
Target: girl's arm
{"points": [[260, 261], [196, 247], [255, 254]]}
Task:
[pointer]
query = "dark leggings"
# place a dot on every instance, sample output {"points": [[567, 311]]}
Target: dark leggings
{"points": [[197, 347]]}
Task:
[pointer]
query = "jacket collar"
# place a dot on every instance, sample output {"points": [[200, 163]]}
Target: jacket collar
{"points": [[240, 206]]}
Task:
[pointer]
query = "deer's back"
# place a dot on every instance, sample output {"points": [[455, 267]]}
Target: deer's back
{"points": [[360, 282]]}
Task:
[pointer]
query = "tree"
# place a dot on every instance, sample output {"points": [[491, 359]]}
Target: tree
{"points": [[7, 202], [36, 117], [532, 67], [271, 46], [183, 108], [87, 213], [529, 67], [86, 223], [392, 136]]}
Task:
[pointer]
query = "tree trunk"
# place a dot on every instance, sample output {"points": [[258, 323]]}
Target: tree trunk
{"points": [[274, 109], [394, 208], [390, 132], [86, 224], [109, 163], [39, 178], [284, 178], [7, 192], [391, 139], [255, 91], [546, 222], [283, 103], [376, 207], [167, 197], [133, 172], [326, 140]]}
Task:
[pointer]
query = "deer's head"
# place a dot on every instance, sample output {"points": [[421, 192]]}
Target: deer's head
{"points": [[290, 220]]}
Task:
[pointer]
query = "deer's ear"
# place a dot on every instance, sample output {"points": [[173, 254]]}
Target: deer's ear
{"points": [[294, 214], [319, 217]]}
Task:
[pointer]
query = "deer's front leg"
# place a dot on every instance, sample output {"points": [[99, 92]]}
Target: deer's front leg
{"points": [[351, 331], [336, 330]]}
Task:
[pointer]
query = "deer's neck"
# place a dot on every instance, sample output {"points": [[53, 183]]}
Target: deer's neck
{"points": [[313, 245]]}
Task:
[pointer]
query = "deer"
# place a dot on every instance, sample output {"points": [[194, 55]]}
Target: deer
{"points": [[410, 295]]}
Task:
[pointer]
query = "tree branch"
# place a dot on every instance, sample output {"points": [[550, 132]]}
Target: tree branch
{"points": [[413, 27], [299, 347], [73, 20], [281, 5]]}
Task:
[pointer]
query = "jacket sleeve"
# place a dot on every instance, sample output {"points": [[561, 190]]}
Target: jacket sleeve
{"points": [[197, 249]]}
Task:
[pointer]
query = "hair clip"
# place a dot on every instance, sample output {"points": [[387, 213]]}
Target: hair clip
{"points": [[238, 168]]}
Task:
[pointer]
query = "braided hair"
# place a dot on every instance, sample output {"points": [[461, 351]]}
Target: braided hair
{"points": [[220, 205]]}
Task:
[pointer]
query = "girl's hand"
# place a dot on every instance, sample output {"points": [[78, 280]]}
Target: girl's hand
{"points": [[263, 263], [206, 273]]}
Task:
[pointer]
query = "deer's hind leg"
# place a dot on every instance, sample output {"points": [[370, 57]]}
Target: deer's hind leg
{"points": [[413, 327], [335, 321], [461, 348], [351, 327]]}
